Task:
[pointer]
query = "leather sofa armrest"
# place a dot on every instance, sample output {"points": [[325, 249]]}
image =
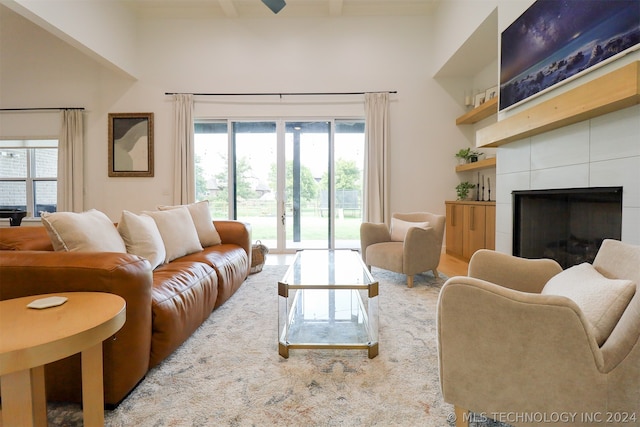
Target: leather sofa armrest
{"points": [[526, 275], [235, 232]]}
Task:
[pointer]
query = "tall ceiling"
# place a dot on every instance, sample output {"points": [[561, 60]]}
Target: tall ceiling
{"points": [[255, 8]]}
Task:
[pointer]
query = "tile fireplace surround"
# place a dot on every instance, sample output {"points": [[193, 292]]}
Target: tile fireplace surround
{"points": [[600, 152]]}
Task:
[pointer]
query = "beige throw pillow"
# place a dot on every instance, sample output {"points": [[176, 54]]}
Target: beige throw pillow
{"points": [[90, 231], [142, 237], [399, 228], [178, 232], [601, 300], [201, 216]]}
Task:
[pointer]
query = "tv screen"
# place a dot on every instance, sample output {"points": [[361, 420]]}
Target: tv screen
{"points": [[555, 40]]}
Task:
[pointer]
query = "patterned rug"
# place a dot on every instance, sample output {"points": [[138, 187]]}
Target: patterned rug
{"points": [[229, 373]]}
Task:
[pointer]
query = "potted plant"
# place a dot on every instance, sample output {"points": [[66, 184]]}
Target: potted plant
{"points": [[467, 155], [473, 156], [463, 155], [462, 190]]}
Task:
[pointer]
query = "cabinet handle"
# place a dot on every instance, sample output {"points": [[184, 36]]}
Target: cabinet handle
{"points": [[472, 220], [452, 217]]}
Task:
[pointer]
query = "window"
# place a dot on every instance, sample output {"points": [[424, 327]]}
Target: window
{"points": [[29, 175], [298, 183]]}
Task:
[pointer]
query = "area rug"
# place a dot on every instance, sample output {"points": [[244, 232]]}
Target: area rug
{"points": [[229, 373]]}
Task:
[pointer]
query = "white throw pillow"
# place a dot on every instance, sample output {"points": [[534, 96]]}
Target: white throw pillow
{"points": [[399, 228], [601, 300], [90, 231], [201, 216], [142, 237], [178, 232]]}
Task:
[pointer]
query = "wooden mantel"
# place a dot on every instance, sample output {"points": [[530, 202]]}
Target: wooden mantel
{"points": [[614, 91]]}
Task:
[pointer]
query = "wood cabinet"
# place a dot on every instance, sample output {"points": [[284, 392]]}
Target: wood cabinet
{"points": [[470, 226]]}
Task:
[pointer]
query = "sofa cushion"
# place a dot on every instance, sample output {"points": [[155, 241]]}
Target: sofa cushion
{"points": [[183, 296], [142, 237], [178, 232], [400, 227], [601, 300], [90, 231], [201, 216], [231, 264]]}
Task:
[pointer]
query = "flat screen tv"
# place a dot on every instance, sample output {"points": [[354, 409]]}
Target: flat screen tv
{"points": [[556, 40]]}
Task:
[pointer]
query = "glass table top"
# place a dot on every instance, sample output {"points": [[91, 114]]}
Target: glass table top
{"points": [[326, 269]]}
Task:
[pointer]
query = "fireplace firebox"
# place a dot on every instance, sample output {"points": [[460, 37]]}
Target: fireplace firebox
{"points": [[567, 225]]}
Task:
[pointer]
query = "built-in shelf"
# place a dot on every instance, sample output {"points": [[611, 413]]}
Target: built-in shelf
{"points": [[485, 110], [614, 91], [480, 164]]}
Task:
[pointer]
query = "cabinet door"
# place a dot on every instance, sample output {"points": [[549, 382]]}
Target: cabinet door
{"points": [[454, 229], [490, 237], [474, 229]]}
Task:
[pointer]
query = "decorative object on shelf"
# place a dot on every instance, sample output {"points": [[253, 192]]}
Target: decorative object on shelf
{"points": [[468, 98], [462, 155], [462, 190], [467, 155], [131, 144], [481, 185], [491, 93], [479, 99]]}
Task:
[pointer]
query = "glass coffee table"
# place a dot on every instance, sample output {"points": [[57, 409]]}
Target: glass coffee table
{"points": [[328, 300]]}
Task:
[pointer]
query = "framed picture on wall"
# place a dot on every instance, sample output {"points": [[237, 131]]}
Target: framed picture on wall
{"points": [[130, 144]]}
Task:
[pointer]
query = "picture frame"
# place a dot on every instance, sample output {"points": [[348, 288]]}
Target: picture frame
{"points": [[479, 99], [130, 144], [491, 93]]}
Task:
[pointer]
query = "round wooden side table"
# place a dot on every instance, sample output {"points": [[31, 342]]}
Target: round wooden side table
{"points": [[31, 338]]}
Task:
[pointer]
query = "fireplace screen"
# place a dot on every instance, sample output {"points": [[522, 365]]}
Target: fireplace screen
{"points": [[567, 225]]}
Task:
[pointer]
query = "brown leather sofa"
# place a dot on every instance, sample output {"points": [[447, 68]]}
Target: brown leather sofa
{"points": [[164, 306]]}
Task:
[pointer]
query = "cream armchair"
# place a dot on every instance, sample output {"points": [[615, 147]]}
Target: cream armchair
{"points": [[511, 350], [410, 246]]}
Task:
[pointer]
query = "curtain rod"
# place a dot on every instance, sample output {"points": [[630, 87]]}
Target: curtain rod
{"points": [[276, 93], [42, 109]]}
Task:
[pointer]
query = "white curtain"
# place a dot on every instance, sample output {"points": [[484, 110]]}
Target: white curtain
{"points": [[376, 178], [70, 162], [184, 175]]}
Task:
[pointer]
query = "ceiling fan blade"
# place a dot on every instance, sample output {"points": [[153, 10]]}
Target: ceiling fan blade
{"points": [[275, 5]]}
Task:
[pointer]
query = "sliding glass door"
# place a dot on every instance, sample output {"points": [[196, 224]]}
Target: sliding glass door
{"points": [[298, 183]]}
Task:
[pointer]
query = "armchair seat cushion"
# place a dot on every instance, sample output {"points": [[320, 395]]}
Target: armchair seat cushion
{"points": [[387, 255], [601, 300]]}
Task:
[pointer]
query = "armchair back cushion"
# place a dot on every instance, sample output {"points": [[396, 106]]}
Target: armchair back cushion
{"points": [[399, 228]]}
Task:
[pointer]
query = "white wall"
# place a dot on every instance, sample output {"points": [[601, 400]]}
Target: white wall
{"points": [[103, 30], [241, 55]]}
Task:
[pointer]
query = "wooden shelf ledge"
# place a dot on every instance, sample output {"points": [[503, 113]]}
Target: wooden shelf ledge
{"points": [[480, 164], [614, 91], [481, 112]]}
